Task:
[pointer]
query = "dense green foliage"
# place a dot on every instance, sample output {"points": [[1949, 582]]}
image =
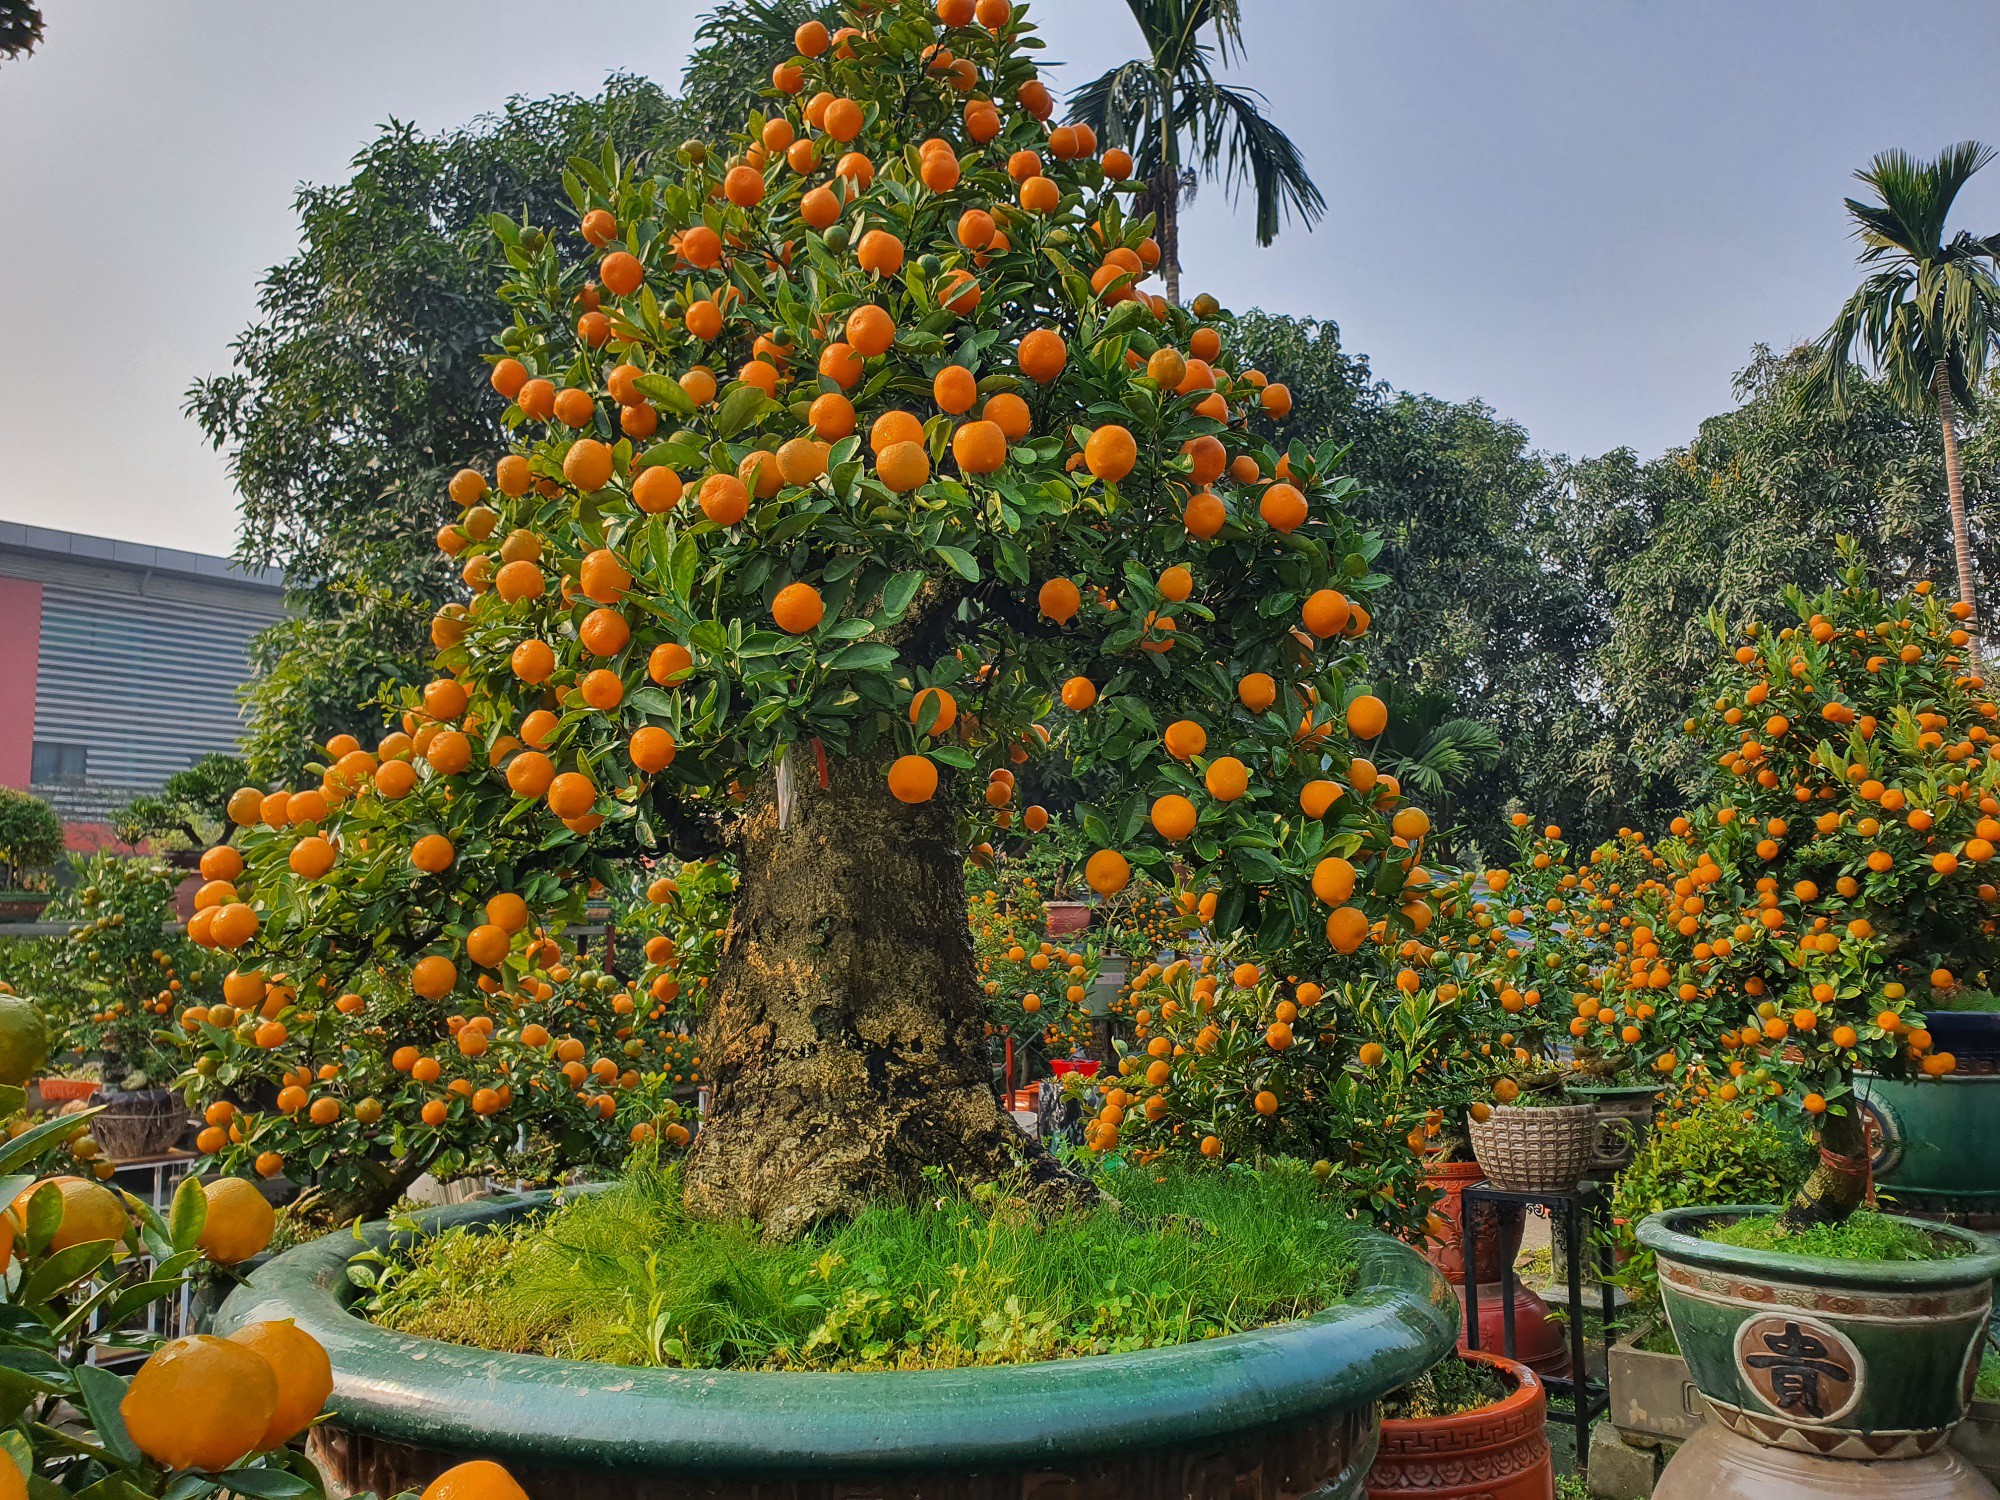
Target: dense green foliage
{"points": [[1712, 1151], [1863, 1236], [31, 834], [1493, 617], [1753, 505], [627, 1277], [1449, 1388]]}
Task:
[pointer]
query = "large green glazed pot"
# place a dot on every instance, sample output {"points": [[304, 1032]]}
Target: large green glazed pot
{"points": [[1931, 1138], [1282, 1413], [1855, 1359]]}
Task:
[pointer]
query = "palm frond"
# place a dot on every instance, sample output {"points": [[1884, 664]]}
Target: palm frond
{"points": [[1123, 107], [1235, 141], [1916, 199], [1932, 303]]}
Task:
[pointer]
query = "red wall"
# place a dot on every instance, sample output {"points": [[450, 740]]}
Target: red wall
{"points": [[20, 649]]}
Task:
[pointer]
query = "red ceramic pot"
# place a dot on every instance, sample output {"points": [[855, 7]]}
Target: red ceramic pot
{"points": [[66, 1090], [1539, 1340], [1499, 1452], [1060, 917], [1447, 1252]]}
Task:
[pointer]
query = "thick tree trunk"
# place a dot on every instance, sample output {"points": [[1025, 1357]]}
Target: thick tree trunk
{"points": [[845, 1038], [1839, 1184], [1954, 477]]}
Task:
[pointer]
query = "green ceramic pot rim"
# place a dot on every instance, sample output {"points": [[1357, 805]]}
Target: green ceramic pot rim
{"points": [[1401, 1318], [1676, 1236]]}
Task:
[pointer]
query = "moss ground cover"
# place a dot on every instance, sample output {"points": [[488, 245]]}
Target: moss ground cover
{"points": [[625, 1276], [1865, 1236]]}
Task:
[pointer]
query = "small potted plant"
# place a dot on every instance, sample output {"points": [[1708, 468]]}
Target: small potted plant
{"points": [[109, 987], [1473, 1413], [1534, 1138], [1702, 1150], [31, 840]]}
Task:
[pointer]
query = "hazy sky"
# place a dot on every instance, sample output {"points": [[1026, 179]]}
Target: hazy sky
{"points": [[1583, 211]]}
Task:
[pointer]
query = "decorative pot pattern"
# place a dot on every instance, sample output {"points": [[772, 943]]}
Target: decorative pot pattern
{"points": [[1279, 1413], [1717, 1464], [1540, 1150], [1836, 1358], [1499, 1452]]}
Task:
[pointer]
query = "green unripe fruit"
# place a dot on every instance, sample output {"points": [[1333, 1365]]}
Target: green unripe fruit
{"points": [[24, 1040]]}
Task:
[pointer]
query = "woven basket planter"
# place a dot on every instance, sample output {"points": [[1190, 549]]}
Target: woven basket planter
{"points": [[1544, 1150], [136, 1126]]}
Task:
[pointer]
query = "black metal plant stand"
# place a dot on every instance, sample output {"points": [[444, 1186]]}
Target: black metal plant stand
{"points": [[1588, 1204]]}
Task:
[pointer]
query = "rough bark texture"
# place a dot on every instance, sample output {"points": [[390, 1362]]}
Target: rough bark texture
{"points": [[1839, 1184], [845, 1038], [381, 1188], [1961, 531]]}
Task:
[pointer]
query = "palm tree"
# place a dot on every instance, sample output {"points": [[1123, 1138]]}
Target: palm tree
{"points": [[20, 28], [1147, 105], [1430, 748], [1928, 317]]}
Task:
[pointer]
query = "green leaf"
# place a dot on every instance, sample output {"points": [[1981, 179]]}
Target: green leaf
{"points": [[189, 1215], [737, 409], [962, 562], [862, 656], [667, 394], [102, 1392], [898, 593], [681, 569], [30, 1144], [63, 1268], [268, 1484]]}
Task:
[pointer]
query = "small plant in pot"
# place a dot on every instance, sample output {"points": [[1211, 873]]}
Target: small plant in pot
{"points": [[110, 986], [1472, 1413], [1534, 1138]]}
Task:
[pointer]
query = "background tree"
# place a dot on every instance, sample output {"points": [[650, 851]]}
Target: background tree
{"points": [[1500, 599], [1756, 503], [31, 834], [20, 28], [188, 812], [1182, 124], [1929, 315]]}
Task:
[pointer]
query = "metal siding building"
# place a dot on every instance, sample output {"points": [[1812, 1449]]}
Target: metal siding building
{"points": [[119, 664]]}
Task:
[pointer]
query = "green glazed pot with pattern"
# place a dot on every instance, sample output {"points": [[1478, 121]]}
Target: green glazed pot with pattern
{"points": [[1286, 1412], [1849, 1359]]}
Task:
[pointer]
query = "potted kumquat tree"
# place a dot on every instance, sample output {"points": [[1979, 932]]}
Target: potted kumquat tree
{"points": [[857, 476], [1839, 872]]}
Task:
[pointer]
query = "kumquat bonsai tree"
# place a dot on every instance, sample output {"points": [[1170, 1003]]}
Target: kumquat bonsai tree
{"points": [[1839, 880], [857, 476]]}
